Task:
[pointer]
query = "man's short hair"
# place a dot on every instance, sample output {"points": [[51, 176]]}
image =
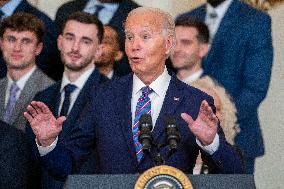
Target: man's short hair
{"points": [[86, 18], [202, 29], [22, 21]]}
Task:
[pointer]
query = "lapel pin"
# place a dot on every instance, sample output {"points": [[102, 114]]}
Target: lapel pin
{"points": [[176, 99]]}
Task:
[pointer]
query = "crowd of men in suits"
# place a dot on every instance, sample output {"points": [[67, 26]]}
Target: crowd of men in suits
{"points": [[89, 115]]}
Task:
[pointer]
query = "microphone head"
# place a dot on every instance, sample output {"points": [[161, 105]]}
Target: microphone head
{"points": [[145, 135], [173, 135], [145, 121]]}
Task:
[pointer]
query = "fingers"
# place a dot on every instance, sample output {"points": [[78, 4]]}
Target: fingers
{"points": [[60, 121], [207, 115], [28, 117], [187, 118], [40, 107]]}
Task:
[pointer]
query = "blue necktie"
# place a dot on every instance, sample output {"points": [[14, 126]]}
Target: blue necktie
{"points": [[68, 89], [11, 103], [143, 107]]}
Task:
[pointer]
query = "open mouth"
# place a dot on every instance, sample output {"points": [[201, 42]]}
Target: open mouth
{"points": [[136, 59]]}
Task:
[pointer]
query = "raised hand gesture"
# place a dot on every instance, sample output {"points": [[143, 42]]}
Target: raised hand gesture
{"points": [[44, 125], [205, 125]]}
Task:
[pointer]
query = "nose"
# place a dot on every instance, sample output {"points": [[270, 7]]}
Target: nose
{"points": [[17, 45], [76, 45], [135, 44]]}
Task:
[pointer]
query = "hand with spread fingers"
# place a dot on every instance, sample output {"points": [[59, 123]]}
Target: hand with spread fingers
{"points": [[44, 125], [205, 125]]}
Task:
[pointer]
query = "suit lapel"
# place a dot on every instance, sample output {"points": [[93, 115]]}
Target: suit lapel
{"points": [[26, 95], [81, 100], [228, 21], [3, 88], [171, 102]]}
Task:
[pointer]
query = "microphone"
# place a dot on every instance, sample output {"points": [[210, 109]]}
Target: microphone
{"points": [[145, 127], [173, 135]]}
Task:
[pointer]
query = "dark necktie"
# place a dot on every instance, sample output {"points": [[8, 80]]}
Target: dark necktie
{"points": [[11, 103], [68, 89], [98, 10], [143, 107]]}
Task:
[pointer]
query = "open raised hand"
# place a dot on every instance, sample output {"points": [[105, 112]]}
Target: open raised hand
{"points": [[44, 125], [205, 125]]}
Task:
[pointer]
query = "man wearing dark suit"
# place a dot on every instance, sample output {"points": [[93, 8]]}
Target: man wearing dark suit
{"points": [[15, 158], [21, 40], [240, 58], [109, 123], [110, 54], [78, 43], [48, 61], [113, 13]]}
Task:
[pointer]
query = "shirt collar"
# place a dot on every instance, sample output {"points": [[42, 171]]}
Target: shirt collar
{"points": [[157, 85], [110, 74], [9, 8], [80, 82], [91, 4], [220, 10], [193, 77], [22, 81]]}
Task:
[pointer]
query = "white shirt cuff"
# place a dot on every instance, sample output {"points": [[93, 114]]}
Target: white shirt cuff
{"points": [[211, 148], [45, 150]]}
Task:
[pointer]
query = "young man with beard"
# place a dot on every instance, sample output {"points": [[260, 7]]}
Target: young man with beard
{"points": [[78, 44]]}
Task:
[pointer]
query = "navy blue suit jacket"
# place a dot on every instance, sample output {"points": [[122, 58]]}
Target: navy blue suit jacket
{"points": [[240, 59], [51, 97], [105, 128], [49, 59]]}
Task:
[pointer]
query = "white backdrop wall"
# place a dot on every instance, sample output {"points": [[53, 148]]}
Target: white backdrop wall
{"points": [[269, 168]]}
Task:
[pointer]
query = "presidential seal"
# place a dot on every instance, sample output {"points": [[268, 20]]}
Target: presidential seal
{"points": [[163, 177]]}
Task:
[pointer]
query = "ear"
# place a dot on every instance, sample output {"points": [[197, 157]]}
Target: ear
{"points": [[59, 42], [169, 44], [39, 48], [1, 43], [118, 56], [203, 50]]}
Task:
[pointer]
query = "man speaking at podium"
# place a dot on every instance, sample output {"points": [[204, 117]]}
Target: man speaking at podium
{"points": [[108, 124]]}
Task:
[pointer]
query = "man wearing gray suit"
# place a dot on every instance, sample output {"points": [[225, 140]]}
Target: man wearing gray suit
{"points": [[21, 40]]}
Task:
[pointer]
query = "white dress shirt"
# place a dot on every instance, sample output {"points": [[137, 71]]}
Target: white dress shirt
{"points": [[220, 10], [20, 83], [106, 14], [160, 87]]}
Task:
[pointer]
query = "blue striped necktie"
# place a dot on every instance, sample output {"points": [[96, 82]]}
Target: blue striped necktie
{"points": [[143, 107]]}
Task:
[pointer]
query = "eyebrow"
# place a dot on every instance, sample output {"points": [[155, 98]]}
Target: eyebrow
{"points": [[84, 37]]}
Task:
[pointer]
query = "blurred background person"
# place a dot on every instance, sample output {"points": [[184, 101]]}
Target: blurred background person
{"points": [[110, 53], [48, 60], [240, 59], [21, 41], [192, 38], [225, 111]]}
